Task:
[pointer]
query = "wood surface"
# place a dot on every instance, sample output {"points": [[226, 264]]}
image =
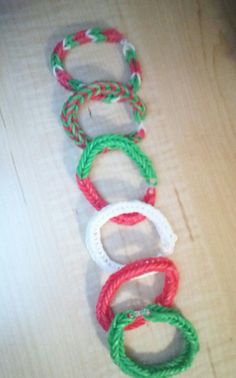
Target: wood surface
{"points": [[48, 283]]}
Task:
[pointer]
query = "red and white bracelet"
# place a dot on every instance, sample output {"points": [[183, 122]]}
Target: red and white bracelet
{"points": [[167, 237]]}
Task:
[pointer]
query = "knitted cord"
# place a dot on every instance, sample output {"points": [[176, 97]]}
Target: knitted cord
{"points": [[165, 245], [93, 35], [130, 271], [108, 92], [153, 313], [111, 142]]}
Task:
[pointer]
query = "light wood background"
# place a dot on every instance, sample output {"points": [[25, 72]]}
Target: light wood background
{"points": [[48, 283]]}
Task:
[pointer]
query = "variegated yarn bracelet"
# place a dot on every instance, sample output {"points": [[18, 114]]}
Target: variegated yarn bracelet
{"points": [[125, 213]]}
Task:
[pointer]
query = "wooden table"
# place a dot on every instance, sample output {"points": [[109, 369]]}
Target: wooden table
{"points": [[49, 285]]}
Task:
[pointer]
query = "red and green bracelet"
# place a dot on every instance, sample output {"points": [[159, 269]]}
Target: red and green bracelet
{"points": [[96, 35], [161, 311], [110, 142], [107, 92], [138, 268]]}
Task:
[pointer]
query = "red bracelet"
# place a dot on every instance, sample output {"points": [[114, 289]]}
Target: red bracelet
{"points": [[135, 269]]}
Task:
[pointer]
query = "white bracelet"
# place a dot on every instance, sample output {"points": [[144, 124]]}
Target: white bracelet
{"points": [[93, 236]]}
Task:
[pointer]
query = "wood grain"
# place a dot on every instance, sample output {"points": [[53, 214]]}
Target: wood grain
{"points": [[48, 284]]}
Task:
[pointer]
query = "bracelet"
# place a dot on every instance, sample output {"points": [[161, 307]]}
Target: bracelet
{"points": [[109, 142], [153, 313], [108, 92], [138, 268], [93, 236], [93, 35]]}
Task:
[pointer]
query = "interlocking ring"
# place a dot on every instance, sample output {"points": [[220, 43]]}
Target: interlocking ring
{"points": [[93, 35], [93, 235], [109, 142], [136, 269], [107, 92], [153, 313]]}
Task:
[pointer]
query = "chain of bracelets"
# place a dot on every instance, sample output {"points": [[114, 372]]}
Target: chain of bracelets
{"points": [[127, 213]]}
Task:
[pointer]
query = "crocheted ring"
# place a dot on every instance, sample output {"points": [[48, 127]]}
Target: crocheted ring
{"points": [[138, 268], [93, 35], [153, 313], [108, 92], [167, 238], [109, 142]]}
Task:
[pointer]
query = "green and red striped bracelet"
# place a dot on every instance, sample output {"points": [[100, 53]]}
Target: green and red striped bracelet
{"points": [[96, 35], [107, 92]]}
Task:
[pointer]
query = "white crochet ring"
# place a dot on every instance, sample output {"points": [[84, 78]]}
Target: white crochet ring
{"points": [[93, 235]]}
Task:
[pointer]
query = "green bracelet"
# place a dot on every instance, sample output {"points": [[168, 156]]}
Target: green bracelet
{"points": [[109, 142], [152, 313]]}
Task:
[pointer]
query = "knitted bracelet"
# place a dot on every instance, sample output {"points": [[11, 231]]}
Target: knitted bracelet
{"points": [[109, 142], [153, 313], [93, 35], [135, 269], [108, 92], [93, 236]]}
